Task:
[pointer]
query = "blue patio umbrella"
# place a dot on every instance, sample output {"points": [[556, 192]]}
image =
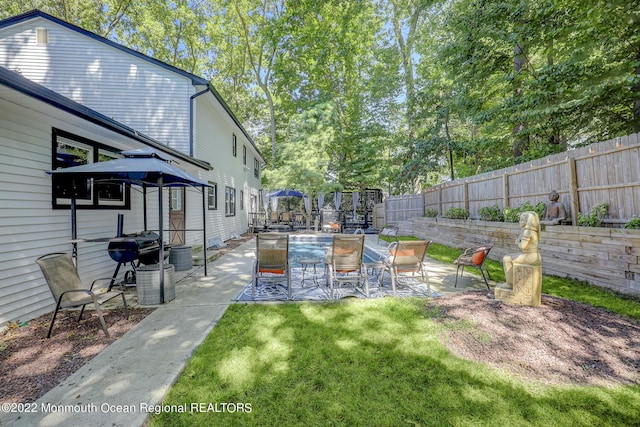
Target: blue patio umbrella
{"points": [[284, 192]]}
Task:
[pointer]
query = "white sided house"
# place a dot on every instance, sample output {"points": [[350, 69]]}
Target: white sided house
{"points": [[68, 96]]}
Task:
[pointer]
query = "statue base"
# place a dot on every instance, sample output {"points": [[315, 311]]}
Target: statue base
{"points": [[527, 286]]}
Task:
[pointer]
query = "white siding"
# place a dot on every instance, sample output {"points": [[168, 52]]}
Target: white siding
{"points": [[135, 92], [213, 136], [29, 227], [22, 225], [146, 97]]}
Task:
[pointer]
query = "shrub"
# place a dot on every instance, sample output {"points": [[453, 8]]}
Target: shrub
{"points": [[633, 223], [594, 219], [491, 213], [513, 214], [457, 213], [430, 213]]}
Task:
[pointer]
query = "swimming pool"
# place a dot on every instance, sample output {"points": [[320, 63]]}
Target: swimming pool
{"points": [[310, 246]]}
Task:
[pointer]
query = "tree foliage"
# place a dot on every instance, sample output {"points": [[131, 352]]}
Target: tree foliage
{"points": [[394, 94]]}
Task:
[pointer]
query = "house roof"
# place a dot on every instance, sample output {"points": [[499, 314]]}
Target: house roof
{"points": [[32, 14], [196, 80], [140, 167], [21, 84]]}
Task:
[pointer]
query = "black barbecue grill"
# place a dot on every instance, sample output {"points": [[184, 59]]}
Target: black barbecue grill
{"points": [[143, 247]]}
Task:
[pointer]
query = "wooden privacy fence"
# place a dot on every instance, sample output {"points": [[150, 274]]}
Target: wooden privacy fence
{"points": [[604, 172], [379, 219], [402, 208]]}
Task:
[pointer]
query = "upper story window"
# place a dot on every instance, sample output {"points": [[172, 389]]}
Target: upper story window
{"points": [[72, 150], [256, 168], [244, 154], [234, 145], [42, 36]]}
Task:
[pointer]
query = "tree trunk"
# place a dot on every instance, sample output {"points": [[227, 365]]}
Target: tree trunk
{"points": [[636, 97], [272, 119], [521, 141], [449, 149], [555, 138]]}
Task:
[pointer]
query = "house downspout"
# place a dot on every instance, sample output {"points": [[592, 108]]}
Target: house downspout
{"points": [[193, 120]]}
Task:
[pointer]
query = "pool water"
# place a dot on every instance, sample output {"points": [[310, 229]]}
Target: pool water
{"points": [[315, 247]]}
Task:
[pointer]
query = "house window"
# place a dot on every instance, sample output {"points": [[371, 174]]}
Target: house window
{"points": [[109, 194], [212, 193], [241, 200], [230, 201], [256, 168], [244, 154], [175, 199], [72, 150], [42, 36], [234, 146]]}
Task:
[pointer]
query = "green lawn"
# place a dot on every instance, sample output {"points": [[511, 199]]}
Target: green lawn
{"points": [[374, 363]]}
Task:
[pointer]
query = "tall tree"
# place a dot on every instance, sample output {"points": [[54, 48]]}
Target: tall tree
{"points": [[260, 33], [100, 17], [405, 18], [170, 32], [328, 59], [304, 153]]}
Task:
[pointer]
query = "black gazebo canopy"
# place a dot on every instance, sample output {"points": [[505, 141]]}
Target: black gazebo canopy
{"points": [[143, 167]]}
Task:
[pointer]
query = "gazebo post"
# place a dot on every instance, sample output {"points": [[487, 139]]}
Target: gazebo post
{"points": [[204, 229], [160, 234], [74, 223], [144, 205]]}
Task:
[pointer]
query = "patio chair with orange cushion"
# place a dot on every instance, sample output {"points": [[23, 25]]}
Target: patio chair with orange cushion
{"points": [[272, 260], [332, 227], [474, 257], [407, 257], [344, 262], [68, 290]]}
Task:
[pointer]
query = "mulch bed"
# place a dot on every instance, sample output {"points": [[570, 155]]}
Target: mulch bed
{"points": [[32, 364], [560, 342]]}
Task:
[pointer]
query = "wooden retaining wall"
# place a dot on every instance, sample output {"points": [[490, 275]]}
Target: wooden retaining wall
{"points": [[607, 257]]}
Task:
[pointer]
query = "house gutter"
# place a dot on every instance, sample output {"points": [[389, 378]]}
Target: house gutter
{"points": [[192, 120]]}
